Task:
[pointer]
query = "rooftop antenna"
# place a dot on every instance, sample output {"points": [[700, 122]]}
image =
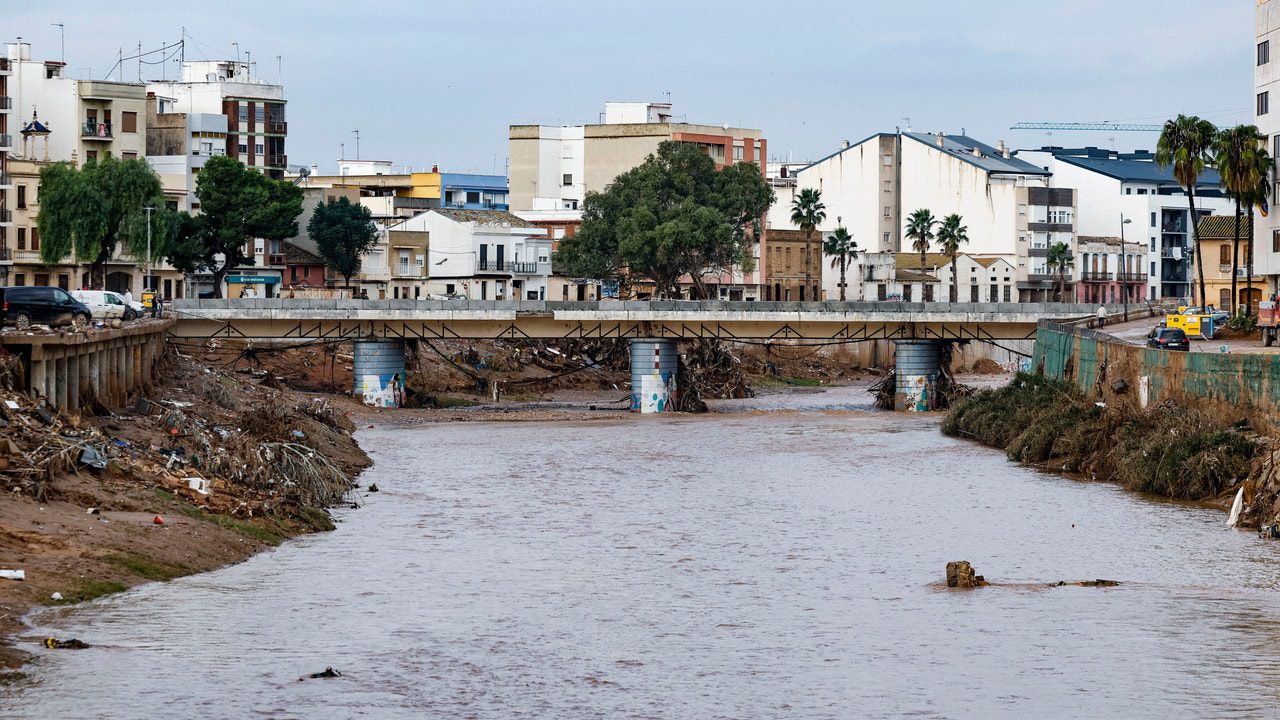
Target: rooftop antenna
{"points": [[357, 134], [279, 68], [342, 151], [62, 31]]}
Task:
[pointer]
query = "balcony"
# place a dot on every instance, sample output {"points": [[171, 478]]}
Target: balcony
{"points": [[96, 131], [275, 259], [1051, 278], [6, 141], [1096, 276], [1128, 277], [6, 217], [498, 266], [6, 180], [503, 207], [6, 103], [1049, 227], [5, 68], [525, 268], [406, 270], [279, 128], [6, 255], [277, 161]]}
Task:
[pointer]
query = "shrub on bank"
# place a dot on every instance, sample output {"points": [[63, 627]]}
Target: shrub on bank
{"points": [[1172, 451]]}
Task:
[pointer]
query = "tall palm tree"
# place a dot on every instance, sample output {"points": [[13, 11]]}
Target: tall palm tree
{"points": [[1184, 143], [1060, 261], [920, 229], [1231, 151], [843, 249], [808, 212], [1260, 165], [951, 235]]}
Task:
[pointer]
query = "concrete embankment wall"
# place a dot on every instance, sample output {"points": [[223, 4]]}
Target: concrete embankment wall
{"points": [[1114, 371]]}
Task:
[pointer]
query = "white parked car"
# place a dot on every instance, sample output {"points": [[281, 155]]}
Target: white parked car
{"points": [[108, 305]]}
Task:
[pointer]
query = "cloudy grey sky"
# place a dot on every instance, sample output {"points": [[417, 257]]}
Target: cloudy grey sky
{"points": [[433, 82]]}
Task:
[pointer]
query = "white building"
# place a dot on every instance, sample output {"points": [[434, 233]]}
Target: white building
{"points": [[548, 176], [1006, 203], [1110, 185], [482, 254], [254, 109], [1266, 81], [898, 277]]}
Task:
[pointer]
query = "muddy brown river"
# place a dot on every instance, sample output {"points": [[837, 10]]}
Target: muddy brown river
{"points": [[781, 562]]}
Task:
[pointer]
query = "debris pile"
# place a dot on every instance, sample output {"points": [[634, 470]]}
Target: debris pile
{"points": [[960, 574]]}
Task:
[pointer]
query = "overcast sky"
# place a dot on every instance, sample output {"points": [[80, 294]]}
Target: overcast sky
{"points": [[433, 82]]}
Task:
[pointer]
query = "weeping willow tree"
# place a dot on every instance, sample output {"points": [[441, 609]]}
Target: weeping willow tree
{"points": [[91, 211]]}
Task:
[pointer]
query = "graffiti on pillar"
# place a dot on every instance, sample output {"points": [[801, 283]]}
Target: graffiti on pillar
{"points": [[657, 393], [382, 390]]}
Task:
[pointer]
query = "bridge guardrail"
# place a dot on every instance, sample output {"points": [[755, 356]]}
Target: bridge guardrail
{"points": [[692, 306]]}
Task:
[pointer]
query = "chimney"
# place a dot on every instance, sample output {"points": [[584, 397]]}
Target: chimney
{"points": [[1004, 150], [940, 139], [845, 145], [977, 151]]}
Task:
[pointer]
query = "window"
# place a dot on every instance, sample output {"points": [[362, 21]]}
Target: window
{"points": [[129, 122], [1224, 254], [22, 196], [35, 238], [1142, 191], [1153, 219], [1264, 103], [567, 179], [20, 279], [473, 196], [888, 160], [244, 149], [450, 289], [886, 238], [1264, 52], [1060, 216], [22, 238], [90, 155], [128, 156], [243, 113], [738, 151], [257, 148], [1006, 293], [1275, 146], [887, 211], [1022, 209], [1275, 241], [888, 186], [557, 233]]}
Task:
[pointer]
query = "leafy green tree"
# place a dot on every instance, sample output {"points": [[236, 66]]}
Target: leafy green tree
{"points": [[1184, 143], [671, 216], [343, 232], [1060, 261], [920, 229], [843, 250], [95, 209], [951, 235], [807, 213], [1260, 165], [1232, 152], [237, 204]]}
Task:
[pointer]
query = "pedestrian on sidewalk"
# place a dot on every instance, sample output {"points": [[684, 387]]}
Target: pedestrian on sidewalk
{"points": [[1102, 316]]}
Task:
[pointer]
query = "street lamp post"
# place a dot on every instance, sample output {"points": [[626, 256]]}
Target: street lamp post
{"points": [[146, 278], [1124, 280]]}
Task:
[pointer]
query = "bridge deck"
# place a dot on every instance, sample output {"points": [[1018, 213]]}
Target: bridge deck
{"points": [[444, 319]]}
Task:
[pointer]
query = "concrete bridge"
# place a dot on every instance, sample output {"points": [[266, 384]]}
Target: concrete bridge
{"points": [[379, 329], [472, 319]]}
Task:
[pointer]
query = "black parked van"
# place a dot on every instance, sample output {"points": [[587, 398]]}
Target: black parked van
{"points": [[27, 305]]}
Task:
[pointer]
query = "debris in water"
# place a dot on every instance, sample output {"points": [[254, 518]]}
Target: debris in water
{"points": [[13, 574], [373, 487], [72, 644], [960, 574], [328, 673], [157, 520], [56, 596]]}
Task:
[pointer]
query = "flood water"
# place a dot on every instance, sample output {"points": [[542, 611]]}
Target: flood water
{"points": [[779, 564]]}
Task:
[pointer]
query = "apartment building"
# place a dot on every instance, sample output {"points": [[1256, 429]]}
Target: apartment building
{"points": [[1109, 268], [872, 186], [1266, 81], [899, 277], [6, 180], [88, 118], [177, 146], [781, 266], [256, 127], [1115, 186]]}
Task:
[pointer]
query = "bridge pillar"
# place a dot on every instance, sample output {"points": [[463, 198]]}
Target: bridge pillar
{"points": [[379, 372], [916, 373], [653, 375]]}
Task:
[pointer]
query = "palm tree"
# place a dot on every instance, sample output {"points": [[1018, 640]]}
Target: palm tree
{"points": [[951, 235], [1231, 150], [1184, 143], [842, 248], [1060, 261], [1260, 164], [808, 212], [920, 229]]}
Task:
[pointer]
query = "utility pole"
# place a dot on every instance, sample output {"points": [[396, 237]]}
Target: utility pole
{"points": [[146, 280]]}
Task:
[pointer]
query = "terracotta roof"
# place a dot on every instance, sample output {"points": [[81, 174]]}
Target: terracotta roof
{"points": [[294, 255], [484, 217], [985, 262], [1222, 227], [911, 260], [1104, 239], [790, 235]]}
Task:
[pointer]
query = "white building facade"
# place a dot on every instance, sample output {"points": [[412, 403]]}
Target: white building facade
{"points": [[873, 186], [1266, 80]]}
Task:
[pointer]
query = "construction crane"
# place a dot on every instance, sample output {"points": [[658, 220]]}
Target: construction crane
{"points": [[1087, 127]]}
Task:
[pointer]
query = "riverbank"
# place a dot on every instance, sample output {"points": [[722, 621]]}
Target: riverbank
{"points": [[83, 526], [1176, 451]]}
